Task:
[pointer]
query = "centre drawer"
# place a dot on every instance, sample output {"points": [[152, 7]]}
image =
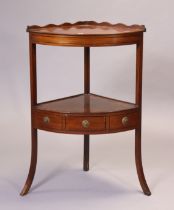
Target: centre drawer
{"points": [[85, 123]]}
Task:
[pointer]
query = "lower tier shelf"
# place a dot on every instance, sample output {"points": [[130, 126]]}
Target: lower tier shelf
{"points": [[86, 114]]}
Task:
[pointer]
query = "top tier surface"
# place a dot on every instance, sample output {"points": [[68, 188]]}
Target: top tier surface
{"points": [[86, 28], [86, 33]]}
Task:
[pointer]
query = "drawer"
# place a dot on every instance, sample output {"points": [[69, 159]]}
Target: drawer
{"points": [[124, 121], [47, 121], [85, 123]]}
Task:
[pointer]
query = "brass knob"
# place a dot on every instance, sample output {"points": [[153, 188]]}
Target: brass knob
{"points": [[125, 121], [46, 119], [85, 123]]}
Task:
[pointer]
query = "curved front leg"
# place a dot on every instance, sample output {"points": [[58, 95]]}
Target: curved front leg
{"points": [[138, 160], [33, 163]]}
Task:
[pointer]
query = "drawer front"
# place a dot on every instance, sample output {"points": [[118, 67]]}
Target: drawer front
{"points": [[83, 123], [47, 121], [124, 121]]}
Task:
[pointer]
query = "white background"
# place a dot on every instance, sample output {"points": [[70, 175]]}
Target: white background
{"points": [[112, 182]]}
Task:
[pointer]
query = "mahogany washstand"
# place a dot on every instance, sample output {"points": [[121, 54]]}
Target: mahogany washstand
{"points": [[86, 113]]}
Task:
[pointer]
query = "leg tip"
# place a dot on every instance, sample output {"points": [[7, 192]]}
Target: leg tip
{"points": [[86, 169], [148, 193], [24, 191]]}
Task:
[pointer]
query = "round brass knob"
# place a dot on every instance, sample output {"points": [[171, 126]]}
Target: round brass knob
{"points": [[46, 119], [125, 121], [85, 123]]}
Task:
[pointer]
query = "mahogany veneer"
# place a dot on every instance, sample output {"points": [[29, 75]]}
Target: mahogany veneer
{"points": [[86, 113]]}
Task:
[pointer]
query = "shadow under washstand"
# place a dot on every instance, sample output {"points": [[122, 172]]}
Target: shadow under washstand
{"points": [[81, 183]]}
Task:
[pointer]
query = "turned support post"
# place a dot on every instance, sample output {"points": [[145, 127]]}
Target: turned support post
{"points": [[86, 91]]}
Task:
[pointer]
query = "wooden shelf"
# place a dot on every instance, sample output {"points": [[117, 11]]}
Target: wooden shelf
{"points": [[86, 33], [86, 104], [101, 115], [86, 28]]}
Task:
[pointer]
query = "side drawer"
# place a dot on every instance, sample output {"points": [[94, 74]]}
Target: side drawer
{"points": [[85, 123], [47, 121], [124, 121]]}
